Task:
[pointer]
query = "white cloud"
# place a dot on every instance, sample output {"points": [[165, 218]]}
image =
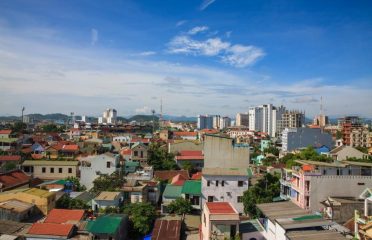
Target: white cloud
{"points": [[147, 53], [242, 56], [94, 36], [143, 110], [197, 29], [206, 4], [180, 23], [235, 55]]}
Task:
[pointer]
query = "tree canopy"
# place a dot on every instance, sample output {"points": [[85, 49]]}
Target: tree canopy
{"points": [[65, 202], [105, 182], [142, 217], [160, 159], [262, 192], [180, 206]]}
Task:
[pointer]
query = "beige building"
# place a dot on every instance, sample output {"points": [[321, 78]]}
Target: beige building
{"points": [[44, 200], [184, 145], [224, 152], [359, 137], [242, 119], [50, 170], [344, 152], [139, 152]]}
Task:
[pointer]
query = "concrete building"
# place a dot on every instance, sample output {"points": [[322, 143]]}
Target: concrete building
{"points": [[223, 184], [109, 117], [94, 166], [359, 137], [107, 199], [195, 158], [286, 221], [314, 182], [220, 220], [290, 119], [139, 152], [225, 122], [181, 145], [295, 138], [363, 219], [344, 152], [264, 118], [50, 169], [216, 122], [242, 119], [205, 122], [321, 120], [110, 226], [348, 124], [223, 152]]}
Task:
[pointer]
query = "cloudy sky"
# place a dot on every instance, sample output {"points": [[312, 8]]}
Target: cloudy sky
{"points": [[211, 56]]}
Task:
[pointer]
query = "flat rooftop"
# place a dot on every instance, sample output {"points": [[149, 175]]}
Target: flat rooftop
{"points": [[311, 235], [281, 210], [16, 205], [167, 230], [220, 208], [225, 171], [108, 196]]}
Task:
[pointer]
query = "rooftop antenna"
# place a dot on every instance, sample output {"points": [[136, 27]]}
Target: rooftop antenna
{"points": [[153, 120], [321, 105], [161, 112], [23, 109]]}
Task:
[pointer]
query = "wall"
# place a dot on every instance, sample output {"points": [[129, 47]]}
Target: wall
{"points": [[295, 138], [184, 146], [56, 175], [222, 152], [231, 185], [322, 187]]}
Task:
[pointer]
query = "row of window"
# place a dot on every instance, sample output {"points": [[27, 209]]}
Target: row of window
{"points": [[51, 170], [239, 199], [240, 183]]}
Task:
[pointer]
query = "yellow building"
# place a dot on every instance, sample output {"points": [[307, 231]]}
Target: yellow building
{"points": [[44, 200]]}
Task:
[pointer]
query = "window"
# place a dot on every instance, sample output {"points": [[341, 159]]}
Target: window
{"points": [[217, 183], [222, 183], [240, 199], [136, 153], [108, 164], [210, 198], [52, 170], [69, 170], [240, 183], [43, 170], [60, 170], [205, 221], [208, 183]]}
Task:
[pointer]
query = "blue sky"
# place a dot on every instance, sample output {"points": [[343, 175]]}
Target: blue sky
{"points": [[216, 57]]}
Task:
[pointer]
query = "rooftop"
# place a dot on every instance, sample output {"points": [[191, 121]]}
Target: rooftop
{"points": [[169, 174], [10, 158], [172, 191], [13, 179], [225, 171], [311, 235], [64, 216], [51, 229], [220, 208], [192, 187], [167, 230], [108, 196], [281, 210], [38, 192], [5, 131], [108, 224], [16, 205]]}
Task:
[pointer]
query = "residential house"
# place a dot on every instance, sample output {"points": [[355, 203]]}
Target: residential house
{"points": [[191, 190], [75, 133], [220, 220], [164, 134], [122, 139], [107, 199], [135, 191], [363, 220], [126, 153], [185, 135], [130, 167], [286, 221], [52, 152], [195, 158], [341, 209], [344, 152], [171, 193], [69, 151], [13, 179], [110, 226], [323, 150], [225, 185], [168, 175], [313, 182], [139, 152], [51, 169], [166, 230], [177, 146], [9, 159], [39, 147], [86, 197], [96, 165], [145, 173], [7, 142], [44, 200]]}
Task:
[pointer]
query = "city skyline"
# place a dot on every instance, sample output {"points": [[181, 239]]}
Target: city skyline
{"points": [[212, 57]]}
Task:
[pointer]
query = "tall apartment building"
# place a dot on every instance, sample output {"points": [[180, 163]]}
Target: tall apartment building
{"points": [[108, 117], [321, 120], [242, 119], [205, 122], [216, 121], [359, 137], [264, 118], [313, 182], [349, 124], [225, 122], [290, 119]]}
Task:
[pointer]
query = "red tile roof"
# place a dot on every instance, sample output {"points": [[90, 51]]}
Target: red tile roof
{"points": [[37, 156], [189, 134], [126, 152], [178, 180], [10, 158], [196, 176], [143, 140], [191, 153], [52, 229], [220, 208], [307, 167], [189, 158], [64, 215], [26, 150], [169, 174], [13, 179], [72, 147], [209, 131], [5, 131]]}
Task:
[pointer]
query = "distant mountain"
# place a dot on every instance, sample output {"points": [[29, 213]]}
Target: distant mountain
{"points": [[143, 118], [179, 118]]}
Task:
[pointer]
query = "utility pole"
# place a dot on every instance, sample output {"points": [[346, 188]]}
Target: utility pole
{"points": [[23, 109], [153, 120]]}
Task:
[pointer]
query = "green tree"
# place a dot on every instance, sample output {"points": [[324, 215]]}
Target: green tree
{"points": [[76, 182], [65, 202], [50, 128], [18, 127], [273, 150], [180, 206], [141, 216], [160, 159], [111, 182], [338, 135], [10, 166], [263, 191]]}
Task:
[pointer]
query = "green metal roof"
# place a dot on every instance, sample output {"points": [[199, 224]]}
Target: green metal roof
{"points": [[108, 224], [249, 172], [131, 164], [307, 217], [192, 187], [250, 226], [172, 191]]}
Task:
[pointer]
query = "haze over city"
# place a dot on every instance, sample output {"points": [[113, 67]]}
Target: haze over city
{"points": [[211, 56]]}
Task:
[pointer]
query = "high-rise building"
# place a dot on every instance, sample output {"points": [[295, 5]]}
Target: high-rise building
{"points": [[205, 122], [216, 121], [290, 119], [225, 122], [108, 117], [349, 124], [242, 119], [264, 118], [321, 120]]}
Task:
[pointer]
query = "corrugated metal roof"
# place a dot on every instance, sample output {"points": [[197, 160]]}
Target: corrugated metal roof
{"points": [[192, 187], [108, 224], [172, 191]]}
